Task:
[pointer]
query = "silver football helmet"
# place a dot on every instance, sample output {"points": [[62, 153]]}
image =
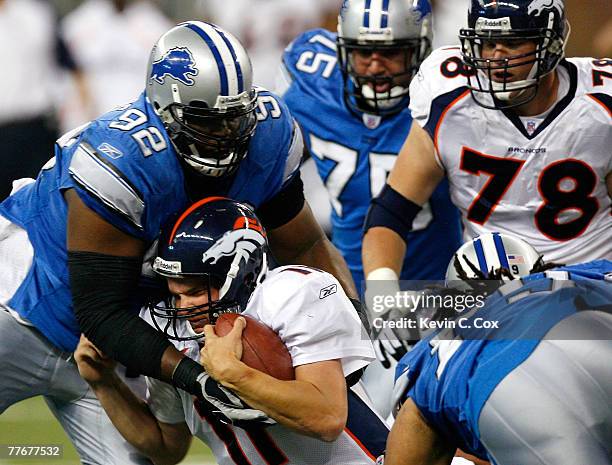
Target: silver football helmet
{"points": [[397, 29], [484, 256], [199, 80]]}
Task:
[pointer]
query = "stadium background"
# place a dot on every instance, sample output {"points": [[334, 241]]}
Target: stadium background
{"points": [[30, 422]]}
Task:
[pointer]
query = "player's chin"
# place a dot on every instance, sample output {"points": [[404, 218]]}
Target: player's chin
{"points": [[197, 324]]}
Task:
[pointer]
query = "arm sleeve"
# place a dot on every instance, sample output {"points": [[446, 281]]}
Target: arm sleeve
{"points": [[101, 287], [285, 205]]}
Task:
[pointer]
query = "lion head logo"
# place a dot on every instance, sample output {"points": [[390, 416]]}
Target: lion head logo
{"points": [[177, 63]]}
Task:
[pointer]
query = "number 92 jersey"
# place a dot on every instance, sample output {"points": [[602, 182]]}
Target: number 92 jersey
{"points": [[124, 167], [354, 153], [541, 177]]}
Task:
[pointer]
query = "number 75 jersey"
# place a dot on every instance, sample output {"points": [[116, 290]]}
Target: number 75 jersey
{"points": [[542, 177]]}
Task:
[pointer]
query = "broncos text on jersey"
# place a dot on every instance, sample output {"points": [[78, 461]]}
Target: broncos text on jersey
{"points": [[541, 177]]}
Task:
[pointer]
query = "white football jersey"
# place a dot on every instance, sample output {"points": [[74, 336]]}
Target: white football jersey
{"points": [[542, 178], [309, 311]]}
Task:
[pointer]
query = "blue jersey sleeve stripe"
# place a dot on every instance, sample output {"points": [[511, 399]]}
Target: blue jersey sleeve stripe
{"points": [[501, 251], [236, 62], [439, 106], [215, 51], [482, 261], [106, 184]]}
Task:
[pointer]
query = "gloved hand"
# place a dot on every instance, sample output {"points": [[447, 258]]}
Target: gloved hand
{"points": [[389, 343], [228, 407]]}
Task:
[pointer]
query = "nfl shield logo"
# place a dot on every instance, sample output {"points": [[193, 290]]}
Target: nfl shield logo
{"points": [[531, 127], [371, 121]]}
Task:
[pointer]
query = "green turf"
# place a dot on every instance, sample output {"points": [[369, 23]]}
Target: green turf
{"points": [[31, 422]]}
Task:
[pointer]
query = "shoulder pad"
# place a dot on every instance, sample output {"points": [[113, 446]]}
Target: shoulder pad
{"points": [[312, 56], [594, 79], [441, 74]]}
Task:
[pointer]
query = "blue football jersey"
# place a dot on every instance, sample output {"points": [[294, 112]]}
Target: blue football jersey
{"points": [[354, 154], [450, 374], [125, 168]]}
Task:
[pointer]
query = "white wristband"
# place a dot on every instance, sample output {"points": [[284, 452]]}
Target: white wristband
{"points": [[382, 274]]}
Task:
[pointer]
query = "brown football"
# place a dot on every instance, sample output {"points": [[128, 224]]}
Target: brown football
{"points": [[262, 348]]}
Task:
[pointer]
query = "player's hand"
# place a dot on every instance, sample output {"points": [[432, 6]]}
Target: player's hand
{"points": [[221, 356], [94, 367], [228, 407], [391, 344]]}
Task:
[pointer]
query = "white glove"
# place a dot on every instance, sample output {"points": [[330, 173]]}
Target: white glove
{"points": [[228, 407]]}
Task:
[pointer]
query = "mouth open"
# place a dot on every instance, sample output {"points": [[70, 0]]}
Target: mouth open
{"points": [[502, 76], [380, 87]]}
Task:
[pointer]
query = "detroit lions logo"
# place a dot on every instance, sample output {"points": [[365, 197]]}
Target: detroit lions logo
{"points": [[242, 242], [538, 6], [178, 64]]}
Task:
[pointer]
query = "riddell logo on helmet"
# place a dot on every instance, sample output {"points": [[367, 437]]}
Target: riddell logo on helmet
{"points": [[165, 266]]}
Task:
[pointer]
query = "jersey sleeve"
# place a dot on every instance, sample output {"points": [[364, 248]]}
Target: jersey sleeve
{"points": [[280, 139], [310, 312], [308, 61], [130, 185], [164, 401], [595, 84], [438, 83]]}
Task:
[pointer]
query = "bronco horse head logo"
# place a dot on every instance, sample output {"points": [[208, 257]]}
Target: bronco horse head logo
{"points": [[538, 6], [177, 63]]}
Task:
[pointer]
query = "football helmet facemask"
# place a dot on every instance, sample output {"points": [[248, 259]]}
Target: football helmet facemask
{"points": [[539, 21], [222, 242], [199, 80], [396, 30]]}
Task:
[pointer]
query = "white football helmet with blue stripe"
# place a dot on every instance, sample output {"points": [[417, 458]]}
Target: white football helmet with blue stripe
{"points": [[383, 26], [484, 255], [199, 80]]}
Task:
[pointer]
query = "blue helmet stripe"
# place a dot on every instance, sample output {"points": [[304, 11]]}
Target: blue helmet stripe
{"points": [[482, 261], [236, 62], [384, 21], [501, 250], [366, 14], [216, 54]]}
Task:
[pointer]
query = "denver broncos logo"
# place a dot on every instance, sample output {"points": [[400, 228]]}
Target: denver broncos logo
{"points": [[177, 63], [537, 6], [241, 242]]}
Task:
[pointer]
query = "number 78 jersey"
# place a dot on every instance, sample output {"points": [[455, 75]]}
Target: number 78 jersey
{"points": [[543, 177]]}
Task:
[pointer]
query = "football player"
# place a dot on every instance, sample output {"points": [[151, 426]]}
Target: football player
{"points": [[214, 259], [349, 93], [535, 388], [72, 242], [521, 134]]}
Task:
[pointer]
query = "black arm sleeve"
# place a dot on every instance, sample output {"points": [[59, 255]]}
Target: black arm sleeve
{"points": [[284, 206], [102, 286]]}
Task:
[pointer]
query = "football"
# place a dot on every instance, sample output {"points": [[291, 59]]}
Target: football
{"points": [[262, 348]]}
